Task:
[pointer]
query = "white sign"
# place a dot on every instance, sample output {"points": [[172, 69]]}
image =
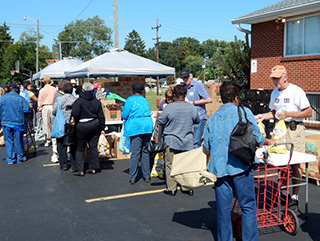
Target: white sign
{"points": [[254, 66]]}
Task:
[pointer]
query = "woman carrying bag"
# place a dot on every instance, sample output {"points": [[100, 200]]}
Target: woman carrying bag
{"points": [[138, 127], [66, 106]]}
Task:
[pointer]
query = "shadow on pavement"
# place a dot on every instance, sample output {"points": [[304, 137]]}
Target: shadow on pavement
{"points": [[204, 218]]}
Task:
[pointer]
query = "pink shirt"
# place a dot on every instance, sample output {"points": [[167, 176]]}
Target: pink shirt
{"points": [[46, 95]]}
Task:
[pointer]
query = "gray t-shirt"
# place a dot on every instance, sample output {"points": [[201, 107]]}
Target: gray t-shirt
{"points": [[178, 119]]}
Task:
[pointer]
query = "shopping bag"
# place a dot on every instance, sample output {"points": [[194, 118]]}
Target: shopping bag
{"points": [[28, 147], [124, 142], [40, 135], [279, 135], [158, 166], [58, 122], [103, 146], [157, 144], [189, 168]]}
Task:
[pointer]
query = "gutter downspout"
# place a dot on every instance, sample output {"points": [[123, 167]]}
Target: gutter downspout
{"points": [[242, 29]]}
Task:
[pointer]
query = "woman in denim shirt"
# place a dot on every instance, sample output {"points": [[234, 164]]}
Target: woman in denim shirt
{"points": [[233, 176]]}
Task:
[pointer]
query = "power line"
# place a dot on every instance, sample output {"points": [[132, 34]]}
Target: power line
{"points": [[83, 10]]}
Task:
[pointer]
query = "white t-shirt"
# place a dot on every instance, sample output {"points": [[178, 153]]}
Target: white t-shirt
{"points": [[293, 98]]}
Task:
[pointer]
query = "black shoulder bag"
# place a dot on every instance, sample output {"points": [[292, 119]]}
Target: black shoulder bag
{"points": [[156, 146], [242, 143]]}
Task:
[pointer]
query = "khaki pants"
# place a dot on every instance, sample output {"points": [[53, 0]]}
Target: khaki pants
{"points": [[171, 183], [297, 137], [47, 120]]}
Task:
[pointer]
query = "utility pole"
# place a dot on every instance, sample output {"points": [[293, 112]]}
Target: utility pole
{"points": [[115, 21], [157, 46]]}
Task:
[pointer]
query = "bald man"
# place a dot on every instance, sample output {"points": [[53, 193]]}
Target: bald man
{"points": [[45, 102]]}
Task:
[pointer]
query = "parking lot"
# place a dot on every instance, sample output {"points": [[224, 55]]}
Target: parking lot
{"points": [[41, 202]]}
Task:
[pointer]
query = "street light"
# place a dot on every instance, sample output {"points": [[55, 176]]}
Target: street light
{"points": [[37, 50]]}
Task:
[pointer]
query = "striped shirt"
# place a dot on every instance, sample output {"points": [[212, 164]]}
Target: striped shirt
{"points": [[178, 119]]}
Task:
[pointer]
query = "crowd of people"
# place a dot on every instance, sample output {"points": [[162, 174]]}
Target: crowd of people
{"points": [[183, 119]]}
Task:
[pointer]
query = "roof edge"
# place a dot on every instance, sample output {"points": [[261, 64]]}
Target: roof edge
{"points": [[255, 18]]}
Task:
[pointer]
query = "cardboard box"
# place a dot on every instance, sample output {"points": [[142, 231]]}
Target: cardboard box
{"points": [[213, 90], [111, 111], [214, 106], [313, 147], [118, 154]]}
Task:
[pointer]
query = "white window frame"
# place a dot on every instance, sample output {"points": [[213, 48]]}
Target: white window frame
{"points": [[285, 36]]}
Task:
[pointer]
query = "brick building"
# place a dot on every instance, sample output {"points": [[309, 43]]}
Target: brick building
{"points": [[280, 34], [286, 33]]}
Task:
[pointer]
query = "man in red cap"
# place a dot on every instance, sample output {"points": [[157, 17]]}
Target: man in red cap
{"points": [[289, 102]]}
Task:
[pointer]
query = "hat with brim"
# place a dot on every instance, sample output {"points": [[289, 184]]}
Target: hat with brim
{"points": [[87, 86], [14, 85], [185, 73], [278, 71]]}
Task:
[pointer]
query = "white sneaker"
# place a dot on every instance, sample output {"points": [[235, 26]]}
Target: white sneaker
{"points": [[47, 143], [54, 158]]}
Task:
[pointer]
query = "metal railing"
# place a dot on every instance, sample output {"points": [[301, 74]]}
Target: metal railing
{"points": [[314, 121]]}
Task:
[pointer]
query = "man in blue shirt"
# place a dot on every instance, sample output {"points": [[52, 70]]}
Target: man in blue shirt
{"points": [[12, 109], [233, 175], [199, 97]]}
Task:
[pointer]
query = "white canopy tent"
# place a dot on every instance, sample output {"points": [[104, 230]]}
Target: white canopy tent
{"points": [[57, 69], [118, 62]]}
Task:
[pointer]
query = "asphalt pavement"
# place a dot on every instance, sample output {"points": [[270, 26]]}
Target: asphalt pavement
{"points": [[38, 201]]}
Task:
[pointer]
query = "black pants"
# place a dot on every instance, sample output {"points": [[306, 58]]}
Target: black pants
{"points": [[87, 132], [62, 150]]}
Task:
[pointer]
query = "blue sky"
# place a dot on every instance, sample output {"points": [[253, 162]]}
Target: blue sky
{"points": [[202, 19]]}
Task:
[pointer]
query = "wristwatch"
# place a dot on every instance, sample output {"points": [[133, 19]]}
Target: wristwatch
{"points": [[194, 103]]}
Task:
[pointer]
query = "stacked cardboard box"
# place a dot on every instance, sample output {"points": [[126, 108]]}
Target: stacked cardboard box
{"points": [[123, 86], [214, 93]]}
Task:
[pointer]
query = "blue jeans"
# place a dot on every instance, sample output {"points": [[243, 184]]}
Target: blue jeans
{"points": [[10, 136], [139, 152], [243, 186], [198, 132]]}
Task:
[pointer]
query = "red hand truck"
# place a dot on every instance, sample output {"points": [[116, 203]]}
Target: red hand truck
{"points": [[272, 206]]}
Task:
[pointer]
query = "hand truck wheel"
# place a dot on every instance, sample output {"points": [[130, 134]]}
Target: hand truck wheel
{"points": [[291, 224]]}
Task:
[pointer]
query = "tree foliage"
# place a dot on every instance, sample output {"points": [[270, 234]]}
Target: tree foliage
{"points": [[23, 51], [222, 59], [85, 39], [134, 44], [236, 62]]}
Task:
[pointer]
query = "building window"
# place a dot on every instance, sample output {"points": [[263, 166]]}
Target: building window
{"points": [[303, 36]]}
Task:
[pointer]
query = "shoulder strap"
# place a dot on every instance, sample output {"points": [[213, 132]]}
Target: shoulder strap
{"points": [[245, 113]]}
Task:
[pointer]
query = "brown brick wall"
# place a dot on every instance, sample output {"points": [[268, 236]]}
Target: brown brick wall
{"points": [[267, 41]]}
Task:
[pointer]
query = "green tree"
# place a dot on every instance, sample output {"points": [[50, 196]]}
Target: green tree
{"points": [[194, 63], [24, 51], [85, 39], [236, 62], [5, 41], [151, 53], [134, 44]]}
